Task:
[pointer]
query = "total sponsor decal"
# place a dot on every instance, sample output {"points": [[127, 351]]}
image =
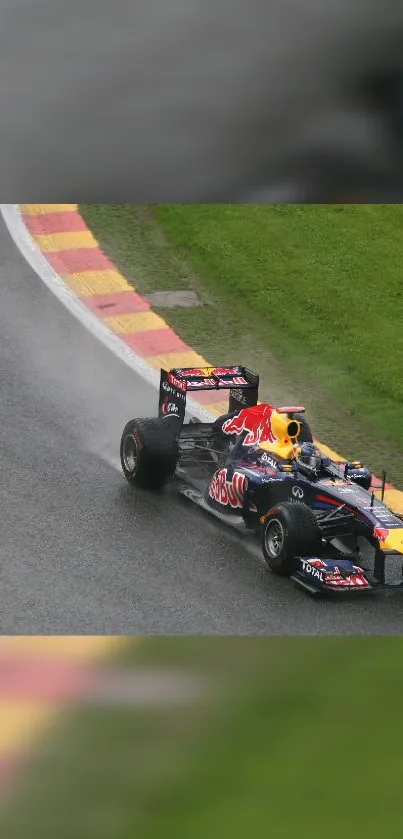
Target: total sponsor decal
{"points": [[229, 493], [265, 458], [336, 577], [256, 421], [180, 384], [310, 567]]}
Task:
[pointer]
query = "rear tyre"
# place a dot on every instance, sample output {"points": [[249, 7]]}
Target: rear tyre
{"points": [[148, 453], [290, 530]]}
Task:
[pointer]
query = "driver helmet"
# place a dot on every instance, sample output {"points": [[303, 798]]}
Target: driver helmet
{"points": [[309, 460]]}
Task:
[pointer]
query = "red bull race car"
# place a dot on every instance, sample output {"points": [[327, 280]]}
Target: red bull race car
{"points": [[258, 469]]}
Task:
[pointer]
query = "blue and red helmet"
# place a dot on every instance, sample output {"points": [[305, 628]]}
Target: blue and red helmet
{"points": [[309, 460]]}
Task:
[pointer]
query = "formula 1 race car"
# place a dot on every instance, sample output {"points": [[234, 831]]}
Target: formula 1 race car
{"points": [[258, 469]]}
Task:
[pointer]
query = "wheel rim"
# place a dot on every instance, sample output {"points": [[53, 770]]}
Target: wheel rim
{"points": [[274, 538], [130, 455]]}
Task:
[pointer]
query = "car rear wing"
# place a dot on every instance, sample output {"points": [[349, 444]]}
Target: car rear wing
{"points": [[242, 384]]}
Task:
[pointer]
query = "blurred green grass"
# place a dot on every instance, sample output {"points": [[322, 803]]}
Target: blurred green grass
{"points": [[310, 295], [301, 737]]}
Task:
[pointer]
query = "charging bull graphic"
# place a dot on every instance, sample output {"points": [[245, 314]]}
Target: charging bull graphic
{"points": [[256, 421], [263, 424]]}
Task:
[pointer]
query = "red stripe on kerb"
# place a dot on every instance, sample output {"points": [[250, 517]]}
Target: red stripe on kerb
{"points": [[42, 680], [119, 303], [155, 342], [42, 224], [82, 259]]}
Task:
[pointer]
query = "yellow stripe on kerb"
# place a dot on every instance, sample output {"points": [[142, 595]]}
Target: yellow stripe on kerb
{"points": [[53, 242], [74, 648], [179, 359], [40, 209], [21, 723], [393, 499], [136, 322], [91, 283]]}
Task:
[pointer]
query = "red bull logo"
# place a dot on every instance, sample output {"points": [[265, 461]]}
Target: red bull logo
{"points": [[210, 371], [256, 421], [228, 493], [196, 371], [205, 376], [381, 533]]}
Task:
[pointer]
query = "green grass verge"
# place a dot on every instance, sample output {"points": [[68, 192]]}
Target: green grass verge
{"points": [[310, 295], [302, 739]]}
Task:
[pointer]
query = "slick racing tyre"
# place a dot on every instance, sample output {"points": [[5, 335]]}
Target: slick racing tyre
{"points": [[148, 452], [290, 530]]}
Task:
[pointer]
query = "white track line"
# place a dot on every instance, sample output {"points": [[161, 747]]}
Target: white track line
{"points": [[29, 249], [152, 688]]}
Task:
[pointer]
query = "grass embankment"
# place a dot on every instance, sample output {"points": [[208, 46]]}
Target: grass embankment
{"points": [[300, 738], [310, 295]]}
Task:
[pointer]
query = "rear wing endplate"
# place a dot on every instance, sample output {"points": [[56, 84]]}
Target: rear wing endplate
{"points": [[242, 384]]}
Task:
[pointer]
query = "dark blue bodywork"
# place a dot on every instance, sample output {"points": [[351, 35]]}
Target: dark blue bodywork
{"points": [[241, 483], [261, 480]]}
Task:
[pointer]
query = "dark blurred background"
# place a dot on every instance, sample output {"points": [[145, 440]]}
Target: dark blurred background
{"points": [[201, 100]]}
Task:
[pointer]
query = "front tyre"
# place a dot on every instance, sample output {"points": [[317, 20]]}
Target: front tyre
{"points": [[289, 530], [148, 453]]}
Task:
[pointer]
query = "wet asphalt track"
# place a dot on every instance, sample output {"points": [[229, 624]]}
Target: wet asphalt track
{"points": [[82, 553]]}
